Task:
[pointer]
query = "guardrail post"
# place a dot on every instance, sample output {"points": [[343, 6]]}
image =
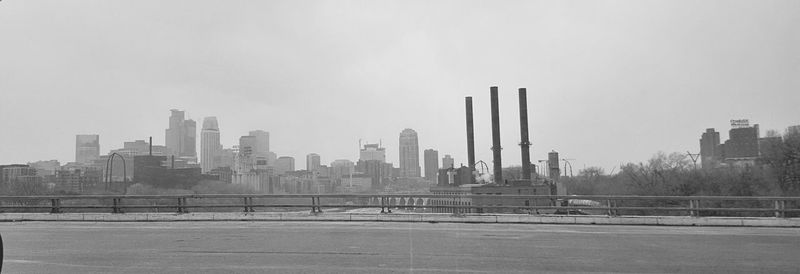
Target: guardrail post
{"points": [[693, 205], [56, 205], [182, 205], [780, 205], [115, 208], [247, 204], [315, 205]]}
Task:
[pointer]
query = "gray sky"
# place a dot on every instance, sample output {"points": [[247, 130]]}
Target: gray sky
{"points": [[608, 81]]}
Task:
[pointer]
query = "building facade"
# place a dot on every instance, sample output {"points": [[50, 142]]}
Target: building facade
{"points": [[431, 164], [284, 164], [181, 136], [448, 162], [262, 142], [210, 147], [87, 148], [312, 162], [409, 153], [372, 152], [709, 148]]}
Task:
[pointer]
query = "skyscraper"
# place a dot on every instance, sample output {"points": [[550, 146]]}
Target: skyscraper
{"points": [[709, 148], [210, 147], [372, 152], [447, 161], [247, 148], [284, 164], [409, 153], [87, 148], [189, 139], [312, 162], [262, 143], [431, 164], [181, 136]]}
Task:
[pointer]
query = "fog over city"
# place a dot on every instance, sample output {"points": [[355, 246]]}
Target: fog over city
{"points": [[607, 83]]}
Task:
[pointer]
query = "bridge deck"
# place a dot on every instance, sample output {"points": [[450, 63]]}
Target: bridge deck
{"points": [[370, 247]]}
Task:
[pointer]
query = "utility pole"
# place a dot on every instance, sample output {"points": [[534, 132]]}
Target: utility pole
{"points": [[694, 158]]}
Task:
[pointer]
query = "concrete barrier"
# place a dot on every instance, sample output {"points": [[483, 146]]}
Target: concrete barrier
{"points": [[405, 217]]}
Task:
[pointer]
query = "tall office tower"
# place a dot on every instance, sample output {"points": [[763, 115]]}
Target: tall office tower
{"points": [[372, 152], [189, 139], [431, 164], [87, 148], [709, 148], [312, 162], [447, 161], [174, 140], [262, 145], [247, 155], [409, 153], [284, 164], [742, 141], [341, 168], [210, 148], [181, 136]]}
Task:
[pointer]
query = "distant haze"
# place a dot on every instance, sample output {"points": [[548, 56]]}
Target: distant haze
{"points": [[608, 81]]}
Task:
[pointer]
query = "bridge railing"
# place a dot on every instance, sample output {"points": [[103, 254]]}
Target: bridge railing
{"points": [[614, 205]]}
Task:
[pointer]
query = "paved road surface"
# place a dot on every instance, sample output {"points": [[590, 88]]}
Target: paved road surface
{"points": [[329, 247]]}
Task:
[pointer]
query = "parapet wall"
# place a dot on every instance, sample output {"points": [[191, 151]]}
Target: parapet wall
{"points": [[395, 217]]}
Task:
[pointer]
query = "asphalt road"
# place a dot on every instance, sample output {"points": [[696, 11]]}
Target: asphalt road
{"points": [[329, 247]]}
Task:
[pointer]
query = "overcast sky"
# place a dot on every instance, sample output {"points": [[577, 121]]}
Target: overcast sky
{"points": [[608, 82]]}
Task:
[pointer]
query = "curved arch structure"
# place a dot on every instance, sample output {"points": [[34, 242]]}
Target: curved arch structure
{"points": [[110, 169]]}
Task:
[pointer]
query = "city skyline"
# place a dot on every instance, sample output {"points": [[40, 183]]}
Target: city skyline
{"points": [[650, 75]]}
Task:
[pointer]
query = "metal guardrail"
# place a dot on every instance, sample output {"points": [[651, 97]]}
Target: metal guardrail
{"points": [[458, 204]]}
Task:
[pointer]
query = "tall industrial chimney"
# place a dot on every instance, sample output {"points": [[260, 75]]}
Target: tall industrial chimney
{"points": [[470, 135], [496, 149], [523, 131], [151, 145]]}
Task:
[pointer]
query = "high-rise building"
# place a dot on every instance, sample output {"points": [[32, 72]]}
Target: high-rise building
{"points": [[190, 139], [247, 156], [87, 148], [340, 168], [431, 164], [372, 152], [709, 148], [312, 162], [409, 153], [742, 143], [181, 136], [448, 162], [793, 130], [262, 143], [284, 164], [210, 147]]}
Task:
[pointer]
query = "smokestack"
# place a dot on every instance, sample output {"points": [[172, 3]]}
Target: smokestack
{"points": [[523, 131], [496, 149], [151, 145], [470, 135]]}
